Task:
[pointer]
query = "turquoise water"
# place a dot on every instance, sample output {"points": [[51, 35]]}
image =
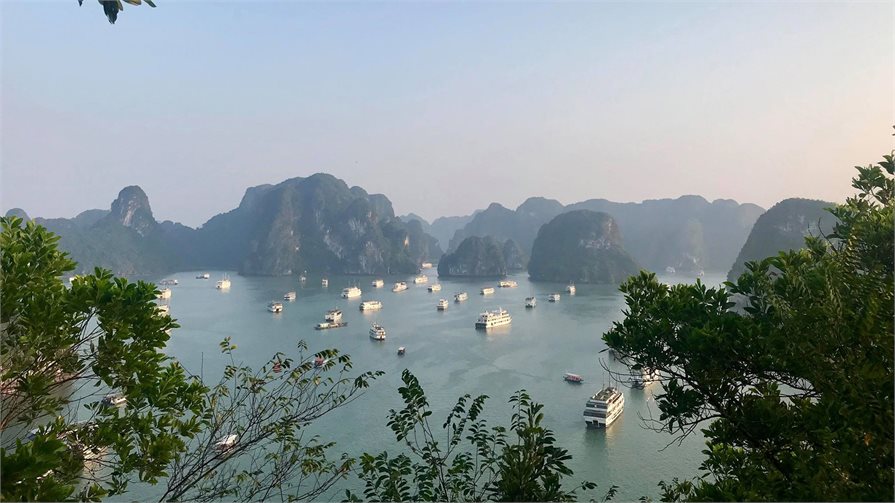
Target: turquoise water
{"points": [[449, 357]]}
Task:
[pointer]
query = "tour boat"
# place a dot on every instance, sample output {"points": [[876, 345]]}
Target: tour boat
{"points": [[553, 297], [442, 305], [168, 282], [378, 283], [422, 278], [164, 294], [604, 407], [223, 284], [203, 276], [290, 296], [487, 291], [351, 292], [324, 325], [226, 443], [496, 318], [644, 379], [507, 283], [333, 315], [275, 307], [571, 289], [399, 286], [573, 378], [370, 305], [401, 351], [377, 332], [531, 302], [460, 297], [324, 282], [435, 288], [426, 265]]}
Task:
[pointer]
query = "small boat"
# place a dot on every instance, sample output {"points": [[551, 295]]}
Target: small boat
{"points": [[324, 282], [302, 278], [507, 284], [460, 297], [401, 351], [275, 307], [399, 287], [163, 309], [324, 325], [604, 407], [553, 297], [436, 287], [226, 443], [351, 292], [277, 367], [571, 289], [164, 294], [377, 332], [426, 265], [370, 305], [203, 276], [223, 284], [573, 378], [320, 361], [290, 296], [377, 283], [422, 278], [646, 377], [333, 315], [491, 319], [442, 305], [531, 302], [487, 290], [114, 400], [168, 282]]}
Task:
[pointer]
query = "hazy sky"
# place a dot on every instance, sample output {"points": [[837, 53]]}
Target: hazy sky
{"points": [[442, 107]]}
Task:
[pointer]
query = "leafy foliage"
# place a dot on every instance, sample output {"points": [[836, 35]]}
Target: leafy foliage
{"points": [[111, 8], [791, 366]]}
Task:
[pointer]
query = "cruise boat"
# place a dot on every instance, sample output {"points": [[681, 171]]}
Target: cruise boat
{"points": [[223, 284], [275, 307], [203, 276], [604, 407], [290, 296], [442, 305], [553, 297], [378, 283], [573, 378], [333, 316], [168, 282], [401, 351], [164, 294], [377, 332], [226, 443], [351, 292], [324, 282], [507, 283], [644, 379], [571, 289], [435, 288], [399, 286], [487, 290], [531, 302], [426, 265], [460, 297], [422, 278], [370, 305], [496, 318]]}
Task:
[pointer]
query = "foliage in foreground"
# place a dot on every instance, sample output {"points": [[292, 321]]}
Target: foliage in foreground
{"points": [[111, 8], [791, 366]]}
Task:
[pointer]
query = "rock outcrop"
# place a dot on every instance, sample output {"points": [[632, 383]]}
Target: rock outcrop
{"points": [[474, 257]]}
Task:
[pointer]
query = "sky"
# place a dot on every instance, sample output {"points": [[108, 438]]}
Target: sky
{"points": [[443, 107]]}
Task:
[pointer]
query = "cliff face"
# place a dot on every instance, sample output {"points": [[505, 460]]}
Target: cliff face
{"points": [[474, 257], [581, 246], [513, 256], [521, 225], [783, 227]]}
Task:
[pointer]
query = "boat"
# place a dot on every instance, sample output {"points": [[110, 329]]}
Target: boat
{"points": [[553, 297], [168, 282], [333, 316], [378, 283], [531, 302], [114, 400], [644, 379], [401, 351], [507, 283], [275, 307], [290, 296], [324, 325], [604, 407], [164, 294], [377, 332], [496, 318], [226, 443], [320, 361], [460, 297], [351, 292], [435, 287], [399, 286], [163, 309], [422, 278], [203, 276], [573, 378], [670, 270], [426, 265], [370, 305], [223, 284], [487, 290], [442, 305], [302, 278], [324, 282], [571, 289]]}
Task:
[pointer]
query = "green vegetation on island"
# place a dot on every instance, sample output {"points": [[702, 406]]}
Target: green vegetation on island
{"points": [[475, 257]]}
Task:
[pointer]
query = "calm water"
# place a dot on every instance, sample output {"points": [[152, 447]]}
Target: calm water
{"points": [[448, 356]]}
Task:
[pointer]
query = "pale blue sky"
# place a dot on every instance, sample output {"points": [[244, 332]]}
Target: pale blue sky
{"points": [[442, 107]]}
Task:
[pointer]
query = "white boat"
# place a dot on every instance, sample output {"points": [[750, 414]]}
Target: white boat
{"points": [[496, 318], [223, 284], [333, 316], [571, 289], [442, 305], [377, 332], [553, 297], [168, 282], [422, 278], [378, 283], [426, 265], [573, 378], [164, 294], [487, 290], [226, 443], [401, 351], [644, 379], [324, 325], [460, 297], [114, 400], [324, 282], [290, 296], [204, 275], [302, 278], [604, 407], [351, 292], [275, 307], [435, 287], [370, 305], [531, 302], [399, 286], [507, 283], [163, 309]]}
